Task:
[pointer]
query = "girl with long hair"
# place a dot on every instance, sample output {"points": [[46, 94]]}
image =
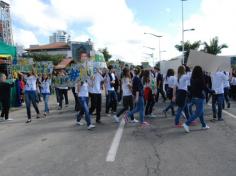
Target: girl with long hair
{"points": [[198, 87]]}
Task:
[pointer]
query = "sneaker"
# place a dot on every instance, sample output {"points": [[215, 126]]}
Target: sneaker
{"points": [[117, 120], [179, 126], [134, 121], [145, 124], [220, 120], [59, 108], [126, 117], [38, 116], [194, 123], [79, 123], [165, 114], [9, 119], [91, 127], [186, 128], [205, 128], [28, 121], [44, 114], [152, 115]]}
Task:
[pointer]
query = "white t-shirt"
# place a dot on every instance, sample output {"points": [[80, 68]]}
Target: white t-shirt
{"points": [[83, 92], [108, 82], [226, 82], [31, 83], [45, 86], [233, 81], [218, 79], [125, 88], [183, 82], [97, 83], [172, 81]]}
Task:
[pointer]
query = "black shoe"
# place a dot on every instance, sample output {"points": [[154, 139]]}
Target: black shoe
{"points": [[28, 121], [220, 120], [98, 122], [228, 106], [164, 112]]}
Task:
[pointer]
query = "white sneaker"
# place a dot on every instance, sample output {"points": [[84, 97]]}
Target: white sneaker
{"points": [[134, 121], [91, 127], [117, 120], [80, 123], [9, 119], [186, 128], [205, 128]]}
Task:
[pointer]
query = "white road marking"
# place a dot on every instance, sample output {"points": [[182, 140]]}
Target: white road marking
{"points": [[111, 155], [226, 112]]}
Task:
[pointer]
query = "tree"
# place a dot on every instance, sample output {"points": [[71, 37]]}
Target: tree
{"points": [[214, 47], [187, 47], [106, 54], [46, 57]]}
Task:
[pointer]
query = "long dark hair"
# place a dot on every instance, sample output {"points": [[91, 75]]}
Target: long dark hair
{"points": [[197, 73], [170, 72]]}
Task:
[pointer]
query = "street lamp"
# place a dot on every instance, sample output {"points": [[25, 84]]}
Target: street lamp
{"points": [[159, 37]]}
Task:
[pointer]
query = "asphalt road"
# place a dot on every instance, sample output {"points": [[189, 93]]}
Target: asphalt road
{"points": [[55, 146]]}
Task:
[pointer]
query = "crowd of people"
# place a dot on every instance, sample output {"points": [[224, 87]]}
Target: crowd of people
{"points": [[186, 91]]}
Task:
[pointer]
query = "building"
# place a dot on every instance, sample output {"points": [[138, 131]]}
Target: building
{"points": [[5, 23], [57, 48], [59, 36], [69, 50]]}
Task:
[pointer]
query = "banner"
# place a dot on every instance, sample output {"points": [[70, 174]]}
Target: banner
{"points": [[209, 62], [80, 71]]}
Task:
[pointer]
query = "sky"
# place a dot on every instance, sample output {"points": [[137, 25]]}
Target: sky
{"points": [[119, 25]]}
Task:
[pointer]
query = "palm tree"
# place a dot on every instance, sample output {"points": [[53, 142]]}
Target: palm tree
{"points": [[187, 47], [214, 47]]}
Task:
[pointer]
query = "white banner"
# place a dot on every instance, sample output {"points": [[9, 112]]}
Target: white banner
{"points": [[209, 62]]}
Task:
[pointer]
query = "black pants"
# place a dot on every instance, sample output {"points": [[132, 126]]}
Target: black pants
{"points": [[96, 103], [5, 108], [76, 99], [127, 105], [149, 106], [63, 92], [111, 101], [57, 95], [160, 91]]}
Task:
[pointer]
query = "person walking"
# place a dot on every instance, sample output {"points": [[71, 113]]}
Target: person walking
{"points": [[82, 91], [45, 91], [159, 84], [63, 93], [172, 82], [5, 97], [97, 82], [226, 91], [139, 99], [198, 87], [218, 79], [31, 95], [180, 95], [126, 84]]}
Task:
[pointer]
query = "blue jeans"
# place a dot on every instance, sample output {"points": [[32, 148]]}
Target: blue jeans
{"points": [[84, 109], [179, 113], [139, 107], [30, 97], [199, 103], [219, 100], [111, 101], [171, 106], [46, 99]]}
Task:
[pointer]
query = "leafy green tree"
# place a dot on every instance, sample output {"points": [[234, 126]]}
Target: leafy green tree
{"points": [[46, 57], [214, 47], [106, 54], [187, 47]]}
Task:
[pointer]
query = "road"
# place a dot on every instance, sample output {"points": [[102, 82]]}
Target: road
{"points": [[55, 146]]}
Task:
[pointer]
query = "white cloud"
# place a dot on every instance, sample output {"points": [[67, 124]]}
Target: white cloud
{"points": [[24, 37], [215, 19], [112, 24]]}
